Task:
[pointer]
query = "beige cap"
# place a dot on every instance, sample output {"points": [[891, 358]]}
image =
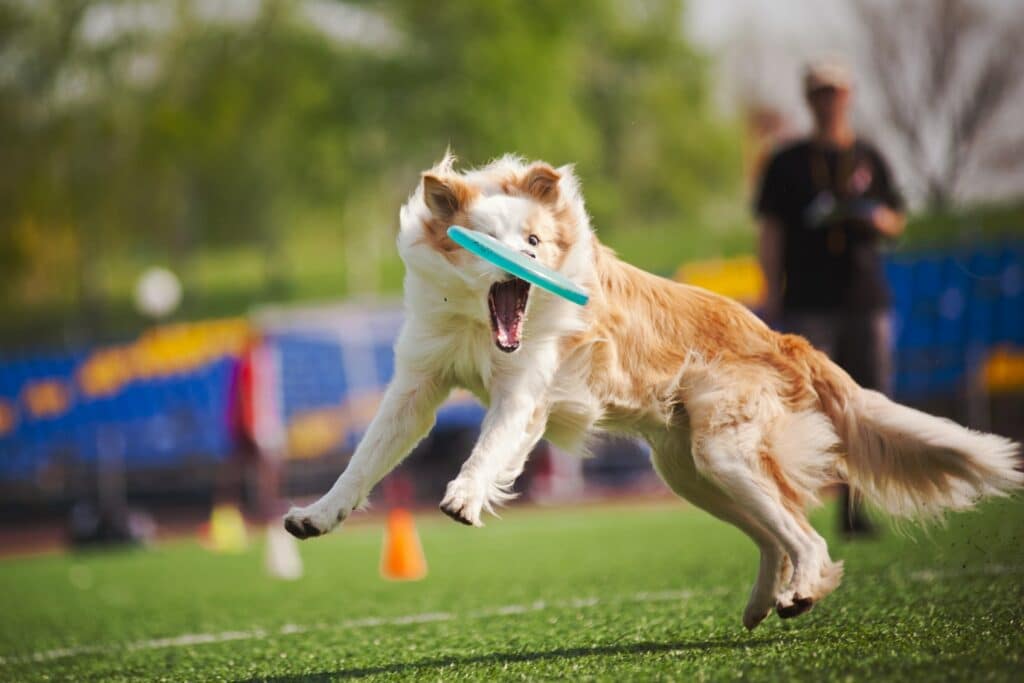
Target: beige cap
{"points": [[829, 72]]}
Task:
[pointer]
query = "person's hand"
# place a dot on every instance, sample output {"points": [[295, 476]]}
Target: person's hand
{"points": [[886, 221]]}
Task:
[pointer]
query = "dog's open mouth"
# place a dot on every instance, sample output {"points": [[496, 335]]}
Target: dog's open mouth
{"points": [[507, 302]]}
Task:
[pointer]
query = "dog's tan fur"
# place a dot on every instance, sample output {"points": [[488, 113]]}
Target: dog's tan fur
{"points": [[744, 422]]}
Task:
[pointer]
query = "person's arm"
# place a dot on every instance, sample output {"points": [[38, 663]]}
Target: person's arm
{"points": [[769, 252], [889, 218]]}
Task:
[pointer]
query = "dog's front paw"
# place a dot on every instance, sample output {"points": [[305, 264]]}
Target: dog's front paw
{"points": [[463, 501], [311, 521]]}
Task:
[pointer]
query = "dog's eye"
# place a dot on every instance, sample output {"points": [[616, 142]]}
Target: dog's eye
{"points": [[533, 240]]}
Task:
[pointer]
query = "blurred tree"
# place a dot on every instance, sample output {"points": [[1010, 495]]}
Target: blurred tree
{"points": [[164, 134], [161, 130], [54, 136], [608, 85], [951, 81]]}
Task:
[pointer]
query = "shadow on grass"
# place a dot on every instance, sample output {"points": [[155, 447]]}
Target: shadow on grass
{"points": [[424, 665]]}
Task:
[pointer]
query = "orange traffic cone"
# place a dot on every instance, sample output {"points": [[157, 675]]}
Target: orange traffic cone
{"points": [[402, 556]]}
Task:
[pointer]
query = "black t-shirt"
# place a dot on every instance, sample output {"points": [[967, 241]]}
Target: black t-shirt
{"points": [[821, 196]]}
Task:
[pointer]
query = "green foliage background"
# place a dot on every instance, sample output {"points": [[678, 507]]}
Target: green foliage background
{"points": [[264, 161]]}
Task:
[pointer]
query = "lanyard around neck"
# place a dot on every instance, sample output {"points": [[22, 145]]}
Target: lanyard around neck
{"points": [[820, 175]]}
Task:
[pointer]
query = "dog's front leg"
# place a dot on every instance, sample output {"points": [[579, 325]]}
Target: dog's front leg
{"points": [[405, 416], [509, 432]]}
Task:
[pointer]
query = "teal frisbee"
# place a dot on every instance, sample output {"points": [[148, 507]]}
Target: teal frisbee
{"points": [[517, 264]]}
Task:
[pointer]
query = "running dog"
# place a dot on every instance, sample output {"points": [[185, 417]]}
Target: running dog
{"points": [[744, 422]]}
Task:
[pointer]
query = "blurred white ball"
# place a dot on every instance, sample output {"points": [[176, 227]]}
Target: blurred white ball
{"points": [[158, 292]]}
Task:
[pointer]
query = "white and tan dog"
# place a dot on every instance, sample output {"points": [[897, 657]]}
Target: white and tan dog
{"points": [[743, 422]]}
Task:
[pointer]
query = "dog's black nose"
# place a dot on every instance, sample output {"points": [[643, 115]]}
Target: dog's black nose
{"points": [[529, 253]]}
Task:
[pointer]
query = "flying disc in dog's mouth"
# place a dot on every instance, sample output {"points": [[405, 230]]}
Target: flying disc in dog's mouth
{"points": [[507, 303]]}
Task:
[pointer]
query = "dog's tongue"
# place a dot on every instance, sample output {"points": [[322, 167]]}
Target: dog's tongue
{"points": [[507, 304]]}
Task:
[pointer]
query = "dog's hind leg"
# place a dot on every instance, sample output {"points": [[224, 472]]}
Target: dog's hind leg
{"points": [[728, 457], [674, 464], [829, 574]]}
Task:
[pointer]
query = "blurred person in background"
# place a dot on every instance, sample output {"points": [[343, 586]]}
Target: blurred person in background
{"points": [[824, 204], [258, 457]]}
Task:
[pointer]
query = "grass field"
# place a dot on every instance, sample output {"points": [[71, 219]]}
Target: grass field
{"points": [[610, 593]]}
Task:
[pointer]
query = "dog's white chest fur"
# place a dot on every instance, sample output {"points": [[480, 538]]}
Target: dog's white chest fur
{"points": [[463, 345]]}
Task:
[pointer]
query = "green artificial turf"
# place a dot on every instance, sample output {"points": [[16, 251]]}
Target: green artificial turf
{"points": [[610, 593]]}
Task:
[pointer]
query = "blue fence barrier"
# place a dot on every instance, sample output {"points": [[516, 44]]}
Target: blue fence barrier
{"points": [[950, 309], [151, 422], [166, 397]]}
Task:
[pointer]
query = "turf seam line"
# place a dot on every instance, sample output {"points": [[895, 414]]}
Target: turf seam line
{"points": [[192, 639]]}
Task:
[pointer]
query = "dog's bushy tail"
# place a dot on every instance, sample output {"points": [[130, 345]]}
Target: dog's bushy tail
{"points": [[909, 463], [912, 464]]}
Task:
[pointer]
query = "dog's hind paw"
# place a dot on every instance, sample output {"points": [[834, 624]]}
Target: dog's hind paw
{"points": [[758, 607], [798, 606], [753, 616]]}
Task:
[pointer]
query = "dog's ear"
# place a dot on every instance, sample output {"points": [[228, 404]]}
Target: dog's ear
{"points": [[444, 197], [541, 182]]}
